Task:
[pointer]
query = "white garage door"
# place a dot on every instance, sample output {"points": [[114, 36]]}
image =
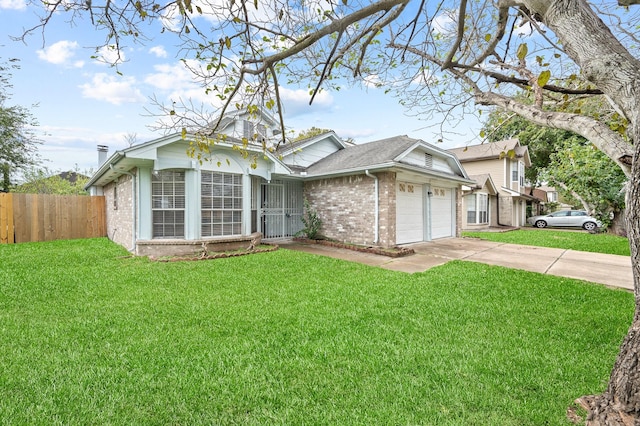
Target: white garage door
{"points": [[409, 213], [441, 212]]}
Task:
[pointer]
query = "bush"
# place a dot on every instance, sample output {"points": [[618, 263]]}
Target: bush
{"points": [[311, 221]]}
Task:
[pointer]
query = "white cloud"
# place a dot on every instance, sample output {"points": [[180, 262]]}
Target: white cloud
{"points": [[113, 89], [176, 82], [424, 77], [13, 4], [372, 81], [296, 102], [58, 53], [159, 51], [444, 23], [110, 55]]}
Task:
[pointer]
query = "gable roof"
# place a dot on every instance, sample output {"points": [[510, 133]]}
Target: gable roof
{"points": [[383, 154], [288, 148], [145, 154], [492, 151], [483, 180]]}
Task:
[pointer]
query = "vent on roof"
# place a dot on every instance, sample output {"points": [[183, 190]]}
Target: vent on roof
{"points": [[428, 160]]}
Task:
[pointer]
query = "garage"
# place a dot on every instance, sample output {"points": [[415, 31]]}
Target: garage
{"points": [[442, 212], [410, 213]]}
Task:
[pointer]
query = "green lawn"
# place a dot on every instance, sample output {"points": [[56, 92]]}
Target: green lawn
{"points": [[91, 336], [573, 240]]}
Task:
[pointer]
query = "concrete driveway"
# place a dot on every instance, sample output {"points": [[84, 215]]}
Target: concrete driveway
{"points": [[607, 269]]}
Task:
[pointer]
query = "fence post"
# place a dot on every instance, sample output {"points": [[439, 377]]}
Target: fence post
{"points": [[6, 219]]}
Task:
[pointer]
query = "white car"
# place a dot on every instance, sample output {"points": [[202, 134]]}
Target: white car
{"points": [[568, 218]]}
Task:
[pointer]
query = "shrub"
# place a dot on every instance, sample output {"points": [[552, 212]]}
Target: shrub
{"points": [[311, 222]]}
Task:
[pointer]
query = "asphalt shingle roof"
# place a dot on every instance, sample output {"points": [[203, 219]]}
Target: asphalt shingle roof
{"points": [[364, 155], [488, 150]]}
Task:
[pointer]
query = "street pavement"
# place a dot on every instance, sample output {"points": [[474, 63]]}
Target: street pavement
{"points": [[608, 269]]}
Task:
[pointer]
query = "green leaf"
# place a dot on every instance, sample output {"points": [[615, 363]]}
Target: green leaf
{"points": [[522, 51], [487, 37], [544, 77]]}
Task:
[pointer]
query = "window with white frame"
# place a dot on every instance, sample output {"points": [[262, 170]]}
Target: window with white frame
{"points": [[517, 172], [167, 203], [247, 129], [477, 208], [221, 204]]}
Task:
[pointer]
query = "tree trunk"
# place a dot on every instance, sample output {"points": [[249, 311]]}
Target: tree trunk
{"points": [[620, 403], [604, 61], [6, 177], [619, 224]]}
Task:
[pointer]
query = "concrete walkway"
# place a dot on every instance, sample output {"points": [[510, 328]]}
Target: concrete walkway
{"points": [[608, 269]]}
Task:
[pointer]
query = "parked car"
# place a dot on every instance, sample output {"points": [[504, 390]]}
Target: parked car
{"points": [[568, 218]]}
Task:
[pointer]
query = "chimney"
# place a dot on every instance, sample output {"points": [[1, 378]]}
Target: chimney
{"points": [[103, 152]]}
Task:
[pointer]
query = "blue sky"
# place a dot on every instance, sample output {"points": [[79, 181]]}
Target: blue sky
{"points": [[83, 103]]}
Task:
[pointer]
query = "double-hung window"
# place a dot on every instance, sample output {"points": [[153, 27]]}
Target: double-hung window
{"points": [[221, 204], [517, 172], [477, 208], [167, 204]]}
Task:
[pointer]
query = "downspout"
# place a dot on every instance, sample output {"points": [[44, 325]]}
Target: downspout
{"points": [[377, 205], [134, 207]]}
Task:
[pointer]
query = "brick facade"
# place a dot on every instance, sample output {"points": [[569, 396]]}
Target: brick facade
{"points": [[458, 195], [346, 206], [387, 188], [119, 205]]}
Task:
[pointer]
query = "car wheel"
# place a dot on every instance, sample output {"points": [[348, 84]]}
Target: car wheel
{"points": [[589, 226], [541, 224]]}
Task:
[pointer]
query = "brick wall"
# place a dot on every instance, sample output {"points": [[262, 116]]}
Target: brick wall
{"points": [[458, 194], [387, 231], [345, 205], [119, 211]]}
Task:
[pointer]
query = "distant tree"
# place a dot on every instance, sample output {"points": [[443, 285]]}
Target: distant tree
{"points": [[131, 138], [568, 162], [45, 181], [18, 143]]}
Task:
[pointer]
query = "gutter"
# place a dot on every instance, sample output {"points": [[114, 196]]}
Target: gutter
{"points": [[390, 166], [377, 205]]}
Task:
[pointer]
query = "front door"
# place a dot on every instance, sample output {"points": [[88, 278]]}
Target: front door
{"points": [[281, 208]]}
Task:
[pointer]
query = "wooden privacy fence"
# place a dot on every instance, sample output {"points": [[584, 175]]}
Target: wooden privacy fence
{"points": [[43, 217]]}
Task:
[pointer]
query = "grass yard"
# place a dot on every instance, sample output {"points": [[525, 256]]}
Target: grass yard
{"points": [[91, 336], [572, 240]]}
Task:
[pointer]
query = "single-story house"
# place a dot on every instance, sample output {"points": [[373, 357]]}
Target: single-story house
{"points": [[162, 201]]}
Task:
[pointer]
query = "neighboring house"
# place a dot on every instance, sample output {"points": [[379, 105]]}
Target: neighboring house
{"points": [[160, 201], [505, 162], [546, 196], [479, 203], [64, 183]]}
